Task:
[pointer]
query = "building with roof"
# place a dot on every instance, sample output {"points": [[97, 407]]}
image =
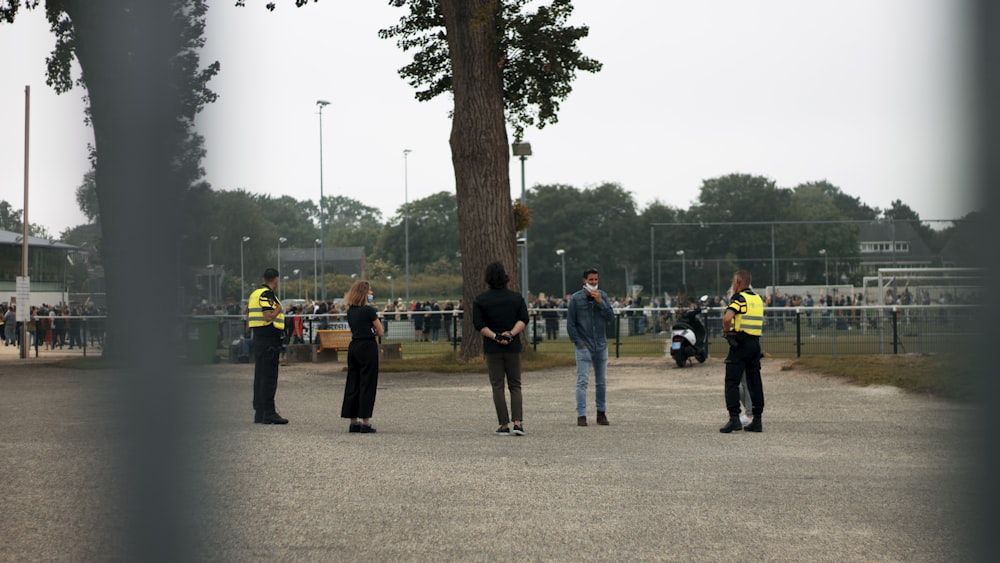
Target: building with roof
{"points": [[47, 268]]}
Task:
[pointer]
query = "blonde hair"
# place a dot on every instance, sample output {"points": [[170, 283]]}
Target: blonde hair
{"points": [[358, 294]]}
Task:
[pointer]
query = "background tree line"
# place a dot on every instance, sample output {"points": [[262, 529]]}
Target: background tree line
{"points": [[600, 227]]}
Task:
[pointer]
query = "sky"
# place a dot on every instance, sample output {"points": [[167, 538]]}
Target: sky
{"points": [[869, 96]]}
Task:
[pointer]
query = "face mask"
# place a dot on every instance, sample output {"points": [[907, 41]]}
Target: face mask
{"points": [[371, 298], [590, 287]]}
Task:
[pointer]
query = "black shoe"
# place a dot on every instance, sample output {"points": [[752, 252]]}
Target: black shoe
{"points": [[732, 426], [354, 427], [258, 417], [602, 419], [367, 429], [518, 430], [581, 421], [754, 426], [274, 418], [503, 431]]}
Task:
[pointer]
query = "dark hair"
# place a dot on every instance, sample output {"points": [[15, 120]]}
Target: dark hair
{"points": [[589, 271], [496, 276], [270, 274]]}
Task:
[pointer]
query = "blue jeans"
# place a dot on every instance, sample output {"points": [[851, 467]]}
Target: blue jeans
{"points": [[584, 360]]}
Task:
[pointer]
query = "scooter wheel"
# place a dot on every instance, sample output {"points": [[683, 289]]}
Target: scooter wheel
{"points": [[681, 362]]}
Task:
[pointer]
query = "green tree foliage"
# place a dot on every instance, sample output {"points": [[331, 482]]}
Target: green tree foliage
{"points": [[596, 227], [12, 220], [433, 234], [351, 223], [86, 197], [536, 52], [899, 211]]}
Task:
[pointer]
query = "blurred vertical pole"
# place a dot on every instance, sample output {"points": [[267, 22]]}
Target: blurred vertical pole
{"points": [[983, 19], [24, 222]]}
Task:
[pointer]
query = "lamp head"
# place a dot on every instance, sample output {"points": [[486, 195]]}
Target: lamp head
{"points": [[521, 149], [322, 103]]}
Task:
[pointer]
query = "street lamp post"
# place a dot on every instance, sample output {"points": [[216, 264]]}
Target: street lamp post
{"points": [[826, 269], [562, 255], [316, 244], [406, 221], [322, 265], [242, 288], [281, 240], [684, 277], [211, 239], [392, 285], [522, 150], [298, 273]]}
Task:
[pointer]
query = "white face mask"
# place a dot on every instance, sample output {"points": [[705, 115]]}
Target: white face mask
{"points": [[371, 298], [590, 287]]}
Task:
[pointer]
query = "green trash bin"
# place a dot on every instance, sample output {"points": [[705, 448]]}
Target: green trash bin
{"points": [[202, 338]]}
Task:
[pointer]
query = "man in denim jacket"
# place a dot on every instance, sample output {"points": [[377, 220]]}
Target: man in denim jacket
{"points": [[586, 322]]}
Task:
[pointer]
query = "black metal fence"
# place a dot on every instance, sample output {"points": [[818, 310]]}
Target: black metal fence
{"points": [[788, 332]]}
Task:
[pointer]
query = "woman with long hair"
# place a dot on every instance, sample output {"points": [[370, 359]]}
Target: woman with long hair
{"points": [[362, 358]]}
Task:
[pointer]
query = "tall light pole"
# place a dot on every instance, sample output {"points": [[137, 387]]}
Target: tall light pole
{"points": [[523, 151], [281, 290], [322, 264], [826, 269], [211, 239], [243, 290], [684, 277], [316, 244], [406, 220], [392, 285], [562, 254], [298, 273]]}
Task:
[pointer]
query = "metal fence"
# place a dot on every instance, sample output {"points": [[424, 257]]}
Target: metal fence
{"points": [[788, 332]]}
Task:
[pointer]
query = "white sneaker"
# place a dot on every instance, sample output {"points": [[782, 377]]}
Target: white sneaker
{"points": [[745, 420]]}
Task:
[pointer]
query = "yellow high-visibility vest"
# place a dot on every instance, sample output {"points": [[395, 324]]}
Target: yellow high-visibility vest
{"points": [[255, 308], [749, 313]]}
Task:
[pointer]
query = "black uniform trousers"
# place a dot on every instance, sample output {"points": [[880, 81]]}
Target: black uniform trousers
{"points": [[267, 353], [362, 379], [744, 355]]}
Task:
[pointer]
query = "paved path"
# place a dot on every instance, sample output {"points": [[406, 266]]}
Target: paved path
{"points": [[840, 473]]}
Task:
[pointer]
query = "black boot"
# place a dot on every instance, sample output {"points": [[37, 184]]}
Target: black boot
{"points": [[733, 425], [273, 417], [258, 416], [755, 425]]}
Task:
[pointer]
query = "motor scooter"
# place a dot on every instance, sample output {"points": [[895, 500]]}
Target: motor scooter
{"points": [[688, 337]]}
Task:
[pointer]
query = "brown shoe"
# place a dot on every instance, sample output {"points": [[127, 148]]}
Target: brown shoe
{"points": [[602, 419], [581, 421]]}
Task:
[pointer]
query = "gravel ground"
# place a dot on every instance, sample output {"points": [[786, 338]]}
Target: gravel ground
{"points": [[840, 473]]}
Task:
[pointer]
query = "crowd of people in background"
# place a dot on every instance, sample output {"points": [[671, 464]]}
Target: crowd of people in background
{"points": [[432, 320], [55, 326]]}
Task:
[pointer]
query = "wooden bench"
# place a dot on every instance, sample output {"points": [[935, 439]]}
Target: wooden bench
{"points": [[331, 342]]}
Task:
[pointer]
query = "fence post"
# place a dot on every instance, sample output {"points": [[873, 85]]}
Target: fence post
{"points": [[534, 332], [895, 330], [798, 333], [618, 326]]}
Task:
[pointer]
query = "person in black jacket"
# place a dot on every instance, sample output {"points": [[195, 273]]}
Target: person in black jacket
{"points": [[500, 315]]}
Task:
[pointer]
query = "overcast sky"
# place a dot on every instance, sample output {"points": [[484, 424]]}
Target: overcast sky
{"points": [[868, 95]]}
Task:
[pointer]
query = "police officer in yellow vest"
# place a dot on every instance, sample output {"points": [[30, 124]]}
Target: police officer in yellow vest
{"points": [[267, 323], [742, 324]]}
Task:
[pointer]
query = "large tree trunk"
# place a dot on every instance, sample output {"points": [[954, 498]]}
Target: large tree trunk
{"points": [[479, 151], [125, 50]]}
